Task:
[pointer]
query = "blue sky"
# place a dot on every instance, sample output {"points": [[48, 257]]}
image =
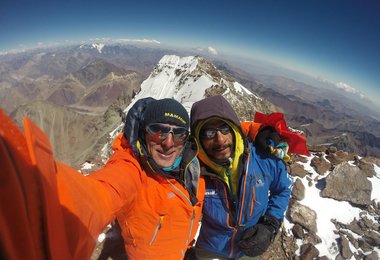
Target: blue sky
{"points": [[338, 40]]}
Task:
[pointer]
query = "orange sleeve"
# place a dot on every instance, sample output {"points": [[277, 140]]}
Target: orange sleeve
{"points": [[30, 209], [92, 202], [54, 210], [21, 199], [250, 129]]}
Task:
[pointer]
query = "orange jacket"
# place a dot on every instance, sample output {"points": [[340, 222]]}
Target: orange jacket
{"points": [[158, 221], [49, 210]]}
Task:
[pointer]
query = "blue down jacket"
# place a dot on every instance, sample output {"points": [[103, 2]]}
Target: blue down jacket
{"points": [[264, 190], [261, 185]]}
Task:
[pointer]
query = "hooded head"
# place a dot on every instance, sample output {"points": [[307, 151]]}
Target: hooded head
{"points": [[214, 106], [210, 110]]}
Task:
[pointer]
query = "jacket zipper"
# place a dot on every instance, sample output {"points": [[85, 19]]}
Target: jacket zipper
{"points": [[158, 227], [252, 201], [233, 242], [243, 196], [179, 191], [231, 218], [234, 208], [241, 200], [191, 227], [193, 214]]}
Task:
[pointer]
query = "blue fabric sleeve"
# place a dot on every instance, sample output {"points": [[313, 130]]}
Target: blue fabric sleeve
{"points": [[280, 191]]}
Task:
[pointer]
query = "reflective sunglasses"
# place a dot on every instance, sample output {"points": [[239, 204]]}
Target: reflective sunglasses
{"points": [[210, 133], [160, 132]]}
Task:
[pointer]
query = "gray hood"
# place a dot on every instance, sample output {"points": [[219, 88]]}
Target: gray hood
{"points": [[215, 106]]}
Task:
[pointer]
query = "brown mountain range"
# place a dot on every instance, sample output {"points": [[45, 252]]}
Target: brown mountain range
{"points": [[76, 85]]}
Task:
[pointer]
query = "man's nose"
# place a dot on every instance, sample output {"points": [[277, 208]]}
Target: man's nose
{"points": [[169, 140], [219, 136]]}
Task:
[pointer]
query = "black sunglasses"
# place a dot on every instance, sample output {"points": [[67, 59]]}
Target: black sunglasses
{"points": [[160, 132], [211, 132]]}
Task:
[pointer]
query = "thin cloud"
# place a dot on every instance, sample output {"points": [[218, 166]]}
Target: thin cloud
{"points": [[212, 50]]}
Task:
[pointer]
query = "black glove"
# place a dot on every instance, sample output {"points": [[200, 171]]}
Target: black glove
{"points": [[256, 240], [133, 122], [267, 136]]}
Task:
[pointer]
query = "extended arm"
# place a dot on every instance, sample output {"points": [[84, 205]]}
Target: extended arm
{"points": [[54, 210]]}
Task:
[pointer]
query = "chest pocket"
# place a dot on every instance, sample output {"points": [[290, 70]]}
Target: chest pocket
{"points": [[258, 194], [150, 214]]}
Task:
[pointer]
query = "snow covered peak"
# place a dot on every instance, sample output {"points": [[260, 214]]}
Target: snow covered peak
{"points": [[189, 62], [189, 79], [97, 46]]}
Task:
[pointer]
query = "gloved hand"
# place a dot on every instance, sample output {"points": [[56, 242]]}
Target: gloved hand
{"points": [[256, 240], [133, 122], [281, 151], [267, 137]]}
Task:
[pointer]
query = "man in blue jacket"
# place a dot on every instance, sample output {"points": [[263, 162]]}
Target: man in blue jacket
{"points": [[247, 190]]}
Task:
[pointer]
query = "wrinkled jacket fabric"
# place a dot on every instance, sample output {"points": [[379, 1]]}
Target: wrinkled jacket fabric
{"points": [[263, 186], [61, 212]]}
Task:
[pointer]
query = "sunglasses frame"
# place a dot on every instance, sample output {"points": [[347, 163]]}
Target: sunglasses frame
{"points": [[210, 133], [159, 135]]}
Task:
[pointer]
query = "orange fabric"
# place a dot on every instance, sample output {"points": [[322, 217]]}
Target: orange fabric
{"points": [[49, 210], [160, 222], [154, 213], [31, 220], [250, 129]]}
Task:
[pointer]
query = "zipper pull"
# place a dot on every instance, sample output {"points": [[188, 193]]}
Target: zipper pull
{"points": [[161, 221]]}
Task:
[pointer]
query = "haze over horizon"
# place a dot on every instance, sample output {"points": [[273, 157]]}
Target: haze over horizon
{"points": [[334, 40]]}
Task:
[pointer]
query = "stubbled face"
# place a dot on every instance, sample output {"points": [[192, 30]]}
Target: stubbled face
{"points": [[219, 146], [164, 152]]}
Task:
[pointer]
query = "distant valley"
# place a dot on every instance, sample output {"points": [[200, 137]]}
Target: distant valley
{"points": [[77, 95], [326, 116]]}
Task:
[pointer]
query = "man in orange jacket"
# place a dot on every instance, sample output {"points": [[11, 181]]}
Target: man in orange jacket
{"points": [[151, 184]]}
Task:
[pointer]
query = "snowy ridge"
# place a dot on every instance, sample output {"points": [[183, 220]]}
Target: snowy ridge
{"points": [[172, 78], [183, 79], [97, 46], [188, 79]]}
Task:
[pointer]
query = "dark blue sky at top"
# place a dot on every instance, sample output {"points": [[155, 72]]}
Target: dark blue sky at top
{"points": [[336, 39]]}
